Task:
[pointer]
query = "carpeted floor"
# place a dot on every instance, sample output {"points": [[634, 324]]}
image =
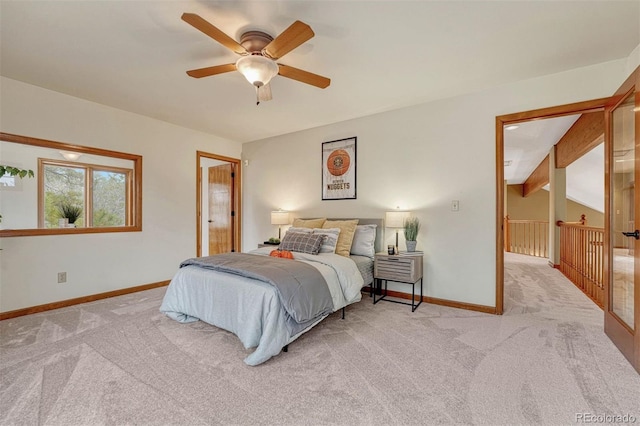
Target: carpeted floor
{"points": [[120, 361]]}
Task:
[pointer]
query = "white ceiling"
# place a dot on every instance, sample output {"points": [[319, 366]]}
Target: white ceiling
{"points": [[380, 55], [585, 179], [526, 146]]}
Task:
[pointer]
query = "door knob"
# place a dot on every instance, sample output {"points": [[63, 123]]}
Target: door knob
{"points": [[635, 234]]}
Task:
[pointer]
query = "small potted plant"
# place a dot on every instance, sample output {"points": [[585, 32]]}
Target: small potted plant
{"points": [[70, 211], [411, 228]]}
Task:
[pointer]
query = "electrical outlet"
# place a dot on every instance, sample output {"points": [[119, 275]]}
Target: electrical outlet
{"points": [[62, 277], [455, 205]]}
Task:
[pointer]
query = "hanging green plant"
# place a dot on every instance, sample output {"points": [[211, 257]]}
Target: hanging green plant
{"points": [[14, 171]]}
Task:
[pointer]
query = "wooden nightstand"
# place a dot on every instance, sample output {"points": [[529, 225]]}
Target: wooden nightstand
{"points": [[402, 268]]}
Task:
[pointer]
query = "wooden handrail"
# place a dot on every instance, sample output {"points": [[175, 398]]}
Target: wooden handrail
{"points": [[528, 237], [582, 258], [531, 237], [582, 221]]}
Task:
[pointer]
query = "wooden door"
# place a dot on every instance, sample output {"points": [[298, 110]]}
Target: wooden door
{"points": [[622, 211], [221, 209]]}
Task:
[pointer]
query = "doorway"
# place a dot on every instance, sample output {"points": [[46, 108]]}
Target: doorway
{"points": [[511, 119], [218, 204], [622, 134]]}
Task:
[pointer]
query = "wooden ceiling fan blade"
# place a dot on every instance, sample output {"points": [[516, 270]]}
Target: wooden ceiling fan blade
{"points": [[289, 39], [206, 27], [304, 76], [208, 71]]}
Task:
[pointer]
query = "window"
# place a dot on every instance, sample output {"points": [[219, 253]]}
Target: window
{"points": [[88, 195], [103, 186]]}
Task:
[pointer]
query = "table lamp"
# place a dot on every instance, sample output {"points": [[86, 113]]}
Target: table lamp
{"points": [[280, 217], [395, 219]]}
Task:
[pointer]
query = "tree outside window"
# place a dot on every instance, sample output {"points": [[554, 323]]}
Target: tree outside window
{"points": [[100, 193]]}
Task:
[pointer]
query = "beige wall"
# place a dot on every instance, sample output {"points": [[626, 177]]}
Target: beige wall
{"points": [[97, 263], [419, 158], [536, 207]]}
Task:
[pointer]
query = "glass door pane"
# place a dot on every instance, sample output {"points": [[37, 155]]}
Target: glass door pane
{"points": [[623, 214]]}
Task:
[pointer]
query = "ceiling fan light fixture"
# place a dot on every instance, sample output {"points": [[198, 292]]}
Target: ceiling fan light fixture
{"points": [[257, 69]]}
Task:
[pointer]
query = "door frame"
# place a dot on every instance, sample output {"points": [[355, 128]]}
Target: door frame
{"points": [[519, 117], [237, 194]]}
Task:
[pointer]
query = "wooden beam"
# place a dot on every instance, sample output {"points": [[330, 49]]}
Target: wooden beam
{"points": [[537, 179], [585, 134]]}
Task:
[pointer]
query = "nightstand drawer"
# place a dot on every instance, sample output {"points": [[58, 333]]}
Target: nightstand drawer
{"points": [[398, 268]]}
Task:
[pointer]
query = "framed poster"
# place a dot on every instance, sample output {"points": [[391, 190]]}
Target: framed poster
{"points": [[339, 169]]}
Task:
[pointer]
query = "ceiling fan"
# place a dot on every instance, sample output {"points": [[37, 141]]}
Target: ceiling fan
{"points": [[259, 52]]}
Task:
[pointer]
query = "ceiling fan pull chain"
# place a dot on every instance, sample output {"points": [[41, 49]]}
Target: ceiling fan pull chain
{"points": [[257, 95]]}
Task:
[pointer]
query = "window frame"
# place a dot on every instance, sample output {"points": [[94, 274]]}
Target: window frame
{"points": [[88, 189], [136, 188]]}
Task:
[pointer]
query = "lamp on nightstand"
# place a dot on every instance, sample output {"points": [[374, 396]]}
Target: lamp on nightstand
{"points": [[280, 218], [395, 219]]}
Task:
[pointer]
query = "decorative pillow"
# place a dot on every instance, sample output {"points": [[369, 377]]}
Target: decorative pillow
{"points": [[301, 242], [300, 230], [364, 241], [285, 254], [330, 241], [347, 229], [309, 223]]}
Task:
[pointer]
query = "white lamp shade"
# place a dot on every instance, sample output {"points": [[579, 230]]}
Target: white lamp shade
{"points": [[69, 155], [257, 69], [280, 218], [395, 219]]}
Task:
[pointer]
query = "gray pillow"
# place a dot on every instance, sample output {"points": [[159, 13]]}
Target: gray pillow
{"points": [[302, 242]]}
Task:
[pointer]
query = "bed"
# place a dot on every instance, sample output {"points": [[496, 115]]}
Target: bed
{"points": [[252, 308]]}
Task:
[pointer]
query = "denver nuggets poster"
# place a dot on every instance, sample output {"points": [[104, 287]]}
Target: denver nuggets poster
{"points": [[339, 169]]}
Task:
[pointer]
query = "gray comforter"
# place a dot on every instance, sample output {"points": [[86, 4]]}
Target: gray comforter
{"points": [[301, 288]]}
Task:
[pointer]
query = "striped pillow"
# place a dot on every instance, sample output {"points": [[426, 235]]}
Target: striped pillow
{"points": [[301, 242], [331, 239], [300, 230]]}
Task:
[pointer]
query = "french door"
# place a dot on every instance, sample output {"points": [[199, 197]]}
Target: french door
{"points": [[622, 171]]}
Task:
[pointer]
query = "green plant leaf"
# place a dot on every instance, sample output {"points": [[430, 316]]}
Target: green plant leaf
{"points": [[14, 171], [411, 228]]}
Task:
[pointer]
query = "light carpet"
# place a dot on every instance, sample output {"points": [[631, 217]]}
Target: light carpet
{"points": [[120, 361]]}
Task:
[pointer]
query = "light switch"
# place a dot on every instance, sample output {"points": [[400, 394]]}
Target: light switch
{"points": [[455, 205]]}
